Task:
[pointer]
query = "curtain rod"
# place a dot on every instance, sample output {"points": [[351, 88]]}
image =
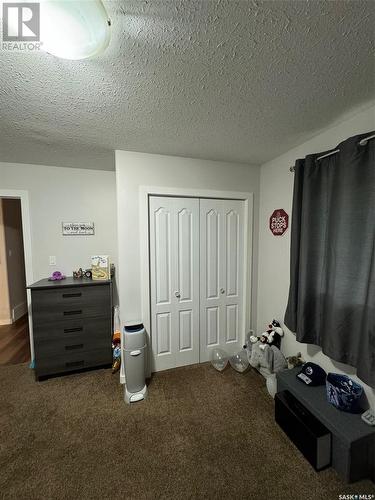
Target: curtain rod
{"points": [[362, 142]]}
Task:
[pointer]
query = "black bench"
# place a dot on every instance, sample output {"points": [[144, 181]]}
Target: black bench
{"points": [[353, 441]]}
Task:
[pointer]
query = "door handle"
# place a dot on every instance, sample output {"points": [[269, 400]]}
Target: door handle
{"points": [[177, 294], [222, 290]]}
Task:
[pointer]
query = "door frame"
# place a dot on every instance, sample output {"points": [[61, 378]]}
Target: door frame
{"points": [[144, 227], [23, 195]]}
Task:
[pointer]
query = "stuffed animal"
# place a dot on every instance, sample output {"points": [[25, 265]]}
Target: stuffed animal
{"points": [[267, 359], [272, 336], [116, 352], [116, 341], [294, 361]]}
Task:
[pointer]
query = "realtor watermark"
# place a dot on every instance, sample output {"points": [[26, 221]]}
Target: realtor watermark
{"points": [[20, 27], [353, 496]]}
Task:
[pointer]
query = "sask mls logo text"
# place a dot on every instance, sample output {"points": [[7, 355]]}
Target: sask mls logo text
{"points": [[21, 26]]}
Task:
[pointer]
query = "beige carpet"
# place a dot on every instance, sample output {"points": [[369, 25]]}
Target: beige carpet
{"points": [[201, 434]]}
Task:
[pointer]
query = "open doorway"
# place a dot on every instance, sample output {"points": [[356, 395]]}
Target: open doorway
{"points": [[14, 325]]}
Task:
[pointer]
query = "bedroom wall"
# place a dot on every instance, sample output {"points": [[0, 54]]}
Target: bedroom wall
{"points": [[140, 169], [59, 194], [276, 191]]}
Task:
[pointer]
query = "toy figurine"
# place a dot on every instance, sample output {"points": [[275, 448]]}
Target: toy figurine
{"points": [[116, 341], [78, 274], [272, 336]]}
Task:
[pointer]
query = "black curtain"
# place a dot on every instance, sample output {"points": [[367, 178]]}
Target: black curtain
{"points": [[332, 270]]}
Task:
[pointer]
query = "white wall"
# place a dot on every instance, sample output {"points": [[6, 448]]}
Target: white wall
{"points": [[139, 169], [276, 191], [59, 194], [15, 257]]}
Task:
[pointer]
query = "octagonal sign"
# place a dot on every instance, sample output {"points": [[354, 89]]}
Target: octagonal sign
{"points": [[279, 222]]}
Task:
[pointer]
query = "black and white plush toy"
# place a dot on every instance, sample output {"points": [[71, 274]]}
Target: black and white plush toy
{"points": [[272, 336], [275, 333]]}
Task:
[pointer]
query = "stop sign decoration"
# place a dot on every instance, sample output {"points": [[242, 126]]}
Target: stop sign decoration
{"points": [[279, 222]]}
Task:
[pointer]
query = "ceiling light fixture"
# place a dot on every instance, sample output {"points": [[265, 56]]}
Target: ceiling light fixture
{"points": [[74, 29]]}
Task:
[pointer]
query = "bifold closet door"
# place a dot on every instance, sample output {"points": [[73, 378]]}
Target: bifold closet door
{"points": [[221, 276], [174, 267]]}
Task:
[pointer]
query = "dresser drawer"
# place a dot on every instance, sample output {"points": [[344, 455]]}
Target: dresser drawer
{"points": [[69, 336], [73, 361], [72, 302], [71, 328]]}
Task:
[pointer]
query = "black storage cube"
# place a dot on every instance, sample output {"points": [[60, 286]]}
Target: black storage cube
{"points": [[310, 436]]}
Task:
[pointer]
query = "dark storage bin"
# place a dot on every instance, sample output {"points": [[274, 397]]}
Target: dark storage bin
{"points": [[310, 436]]}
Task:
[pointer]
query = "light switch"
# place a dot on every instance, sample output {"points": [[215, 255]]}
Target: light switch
{"points": [[52, 260]]}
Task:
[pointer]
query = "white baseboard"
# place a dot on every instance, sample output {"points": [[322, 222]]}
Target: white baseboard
{"points": [[6, 321], [19, 310]]}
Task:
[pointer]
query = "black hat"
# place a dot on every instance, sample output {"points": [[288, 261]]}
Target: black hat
{"points": [[312, 374]]}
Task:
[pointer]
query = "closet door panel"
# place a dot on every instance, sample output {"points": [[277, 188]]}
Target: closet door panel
{"points": [[211, 272], [211, 257], [161, 214], [162, 222], [174, 268], [185, 262], [163, 333], [232, 299], [221, 263], [187, 280], [232, 253], [186, 330], [231, 332], [212, 326]]}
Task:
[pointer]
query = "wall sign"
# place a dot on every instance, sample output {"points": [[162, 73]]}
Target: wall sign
{"points": [[279, 222], [75, 228]]}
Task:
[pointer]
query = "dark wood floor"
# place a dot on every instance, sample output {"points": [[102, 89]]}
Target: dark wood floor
{"points": [[14, 342]]}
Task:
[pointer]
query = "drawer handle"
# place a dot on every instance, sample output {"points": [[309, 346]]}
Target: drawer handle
{"points": [[71, 330], [73, 346], [70, 313], [67, 295], [72, 364]]}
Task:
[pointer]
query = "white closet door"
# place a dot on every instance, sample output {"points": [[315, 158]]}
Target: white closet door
{"points": [[174, 266], [221, 281]]}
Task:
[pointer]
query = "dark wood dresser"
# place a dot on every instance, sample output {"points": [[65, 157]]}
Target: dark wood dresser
{"points": [[72, 325]]}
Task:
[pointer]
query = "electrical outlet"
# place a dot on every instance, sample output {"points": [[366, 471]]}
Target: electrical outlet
{"points": [[52, 260]]}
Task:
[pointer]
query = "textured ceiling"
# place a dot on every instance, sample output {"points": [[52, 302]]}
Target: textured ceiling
{"points": [[227, 80]]}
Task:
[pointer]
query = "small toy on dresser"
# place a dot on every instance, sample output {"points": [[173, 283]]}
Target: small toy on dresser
{"points": [[294, 361], [80, 274], [272, 336], [56, 276]]}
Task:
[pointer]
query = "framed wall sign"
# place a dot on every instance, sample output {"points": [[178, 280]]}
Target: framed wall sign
{"points": [[77, 228], [279, 222]]}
